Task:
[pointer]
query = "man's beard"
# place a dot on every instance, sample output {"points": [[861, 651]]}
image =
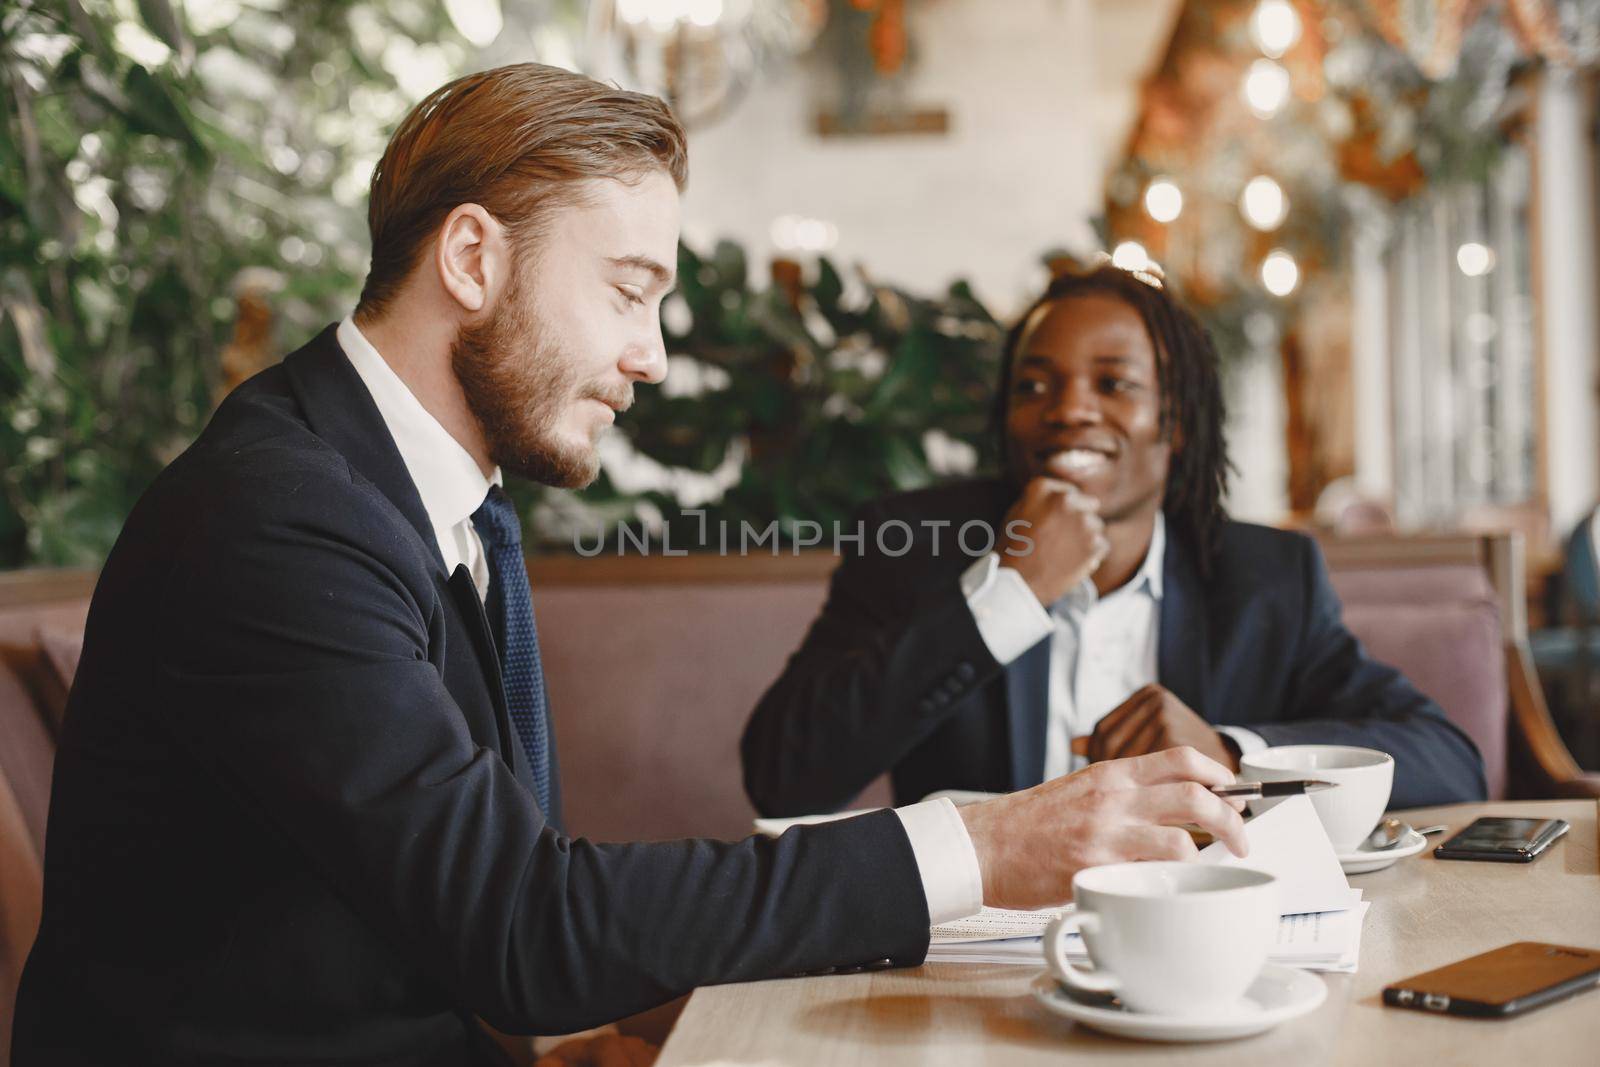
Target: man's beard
{"points": [[517, 385]]}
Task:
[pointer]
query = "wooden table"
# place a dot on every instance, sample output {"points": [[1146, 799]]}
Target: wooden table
{"points": [[1425, 913]]}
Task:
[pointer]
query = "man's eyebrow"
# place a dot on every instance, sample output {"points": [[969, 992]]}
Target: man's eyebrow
{"points": [[644, 263], [1034, 359]]}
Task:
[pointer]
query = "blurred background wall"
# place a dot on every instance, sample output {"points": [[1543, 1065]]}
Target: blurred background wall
{"points": [[1036, 98], [1383, 210]]}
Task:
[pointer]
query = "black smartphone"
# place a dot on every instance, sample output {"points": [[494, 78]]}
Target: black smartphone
{"points": [[1501, 839], [1507, 981]]}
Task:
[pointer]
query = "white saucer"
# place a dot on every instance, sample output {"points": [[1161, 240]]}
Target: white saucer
{"points": [[1366, 859], [1277, 995]]}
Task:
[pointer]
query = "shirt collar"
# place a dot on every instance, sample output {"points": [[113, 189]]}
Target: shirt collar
{"points": [[447, 477], [1154, 565]]}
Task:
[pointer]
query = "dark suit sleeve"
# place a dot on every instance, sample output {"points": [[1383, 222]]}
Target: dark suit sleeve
{"points": [[304, 686], [889, 659], [1340, 696]]}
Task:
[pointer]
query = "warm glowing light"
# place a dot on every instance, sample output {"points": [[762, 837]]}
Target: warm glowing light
{"points": [[479, 21], [663, 15], [704, 12], [796, 233], [1263, 204], [1274, 27], [1163, 200], [1131, 256], [1279, 273], [1266, 88], [1474, 259]]}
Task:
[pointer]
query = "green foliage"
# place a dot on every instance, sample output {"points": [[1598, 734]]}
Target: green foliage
{"points": [[154, 160], [827, 391]]}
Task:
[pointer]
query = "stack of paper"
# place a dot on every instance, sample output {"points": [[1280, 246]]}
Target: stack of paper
{"points": [[1322, 915]]}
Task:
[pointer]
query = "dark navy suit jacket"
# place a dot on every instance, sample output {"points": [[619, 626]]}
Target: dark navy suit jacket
{"points": [[291, 824], [895, 677]]}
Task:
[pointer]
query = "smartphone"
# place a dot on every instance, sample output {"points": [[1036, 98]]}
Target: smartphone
{"points": [[1501, 983], [1503, 840]]}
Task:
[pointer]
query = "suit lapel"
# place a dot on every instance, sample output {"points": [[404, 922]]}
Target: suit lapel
{"points": [[465, 597], [339, 410], [1028, 707], [1182, 641], [1027, 679]]}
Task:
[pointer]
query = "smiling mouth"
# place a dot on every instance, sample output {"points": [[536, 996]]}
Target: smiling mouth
{"points": [[1076, 462]]}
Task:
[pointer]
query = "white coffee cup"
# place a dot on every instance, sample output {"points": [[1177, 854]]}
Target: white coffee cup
{"points": [[1168, 938], [1363, 776]]}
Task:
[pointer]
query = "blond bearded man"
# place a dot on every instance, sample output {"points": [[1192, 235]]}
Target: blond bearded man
{"points": [[306, 807]]}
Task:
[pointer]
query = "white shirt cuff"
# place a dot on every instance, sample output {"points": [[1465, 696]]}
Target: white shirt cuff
{"points": [[951, 878], [1248, 740], [1010, 618]]}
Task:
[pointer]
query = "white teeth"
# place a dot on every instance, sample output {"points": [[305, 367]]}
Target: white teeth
{"points": [[1077, 461]]}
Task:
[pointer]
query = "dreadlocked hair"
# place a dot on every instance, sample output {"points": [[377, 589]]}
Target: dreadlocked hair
{"points": [[1192, 409]]}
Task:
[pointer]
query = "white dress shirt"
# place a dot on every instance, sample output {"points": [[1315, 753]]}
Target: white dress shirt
{"points": [[452, 487], [1102, 649], [448, 479]]}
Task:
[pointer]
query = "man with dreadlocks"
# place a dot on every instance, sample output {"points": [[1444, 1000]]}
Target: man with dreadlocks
{"points": [[1093, 603]]}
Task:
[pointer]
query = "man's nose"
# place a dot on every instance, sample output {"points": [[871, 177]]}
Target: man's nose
{"points": [[1077, 403], [645, 360]]}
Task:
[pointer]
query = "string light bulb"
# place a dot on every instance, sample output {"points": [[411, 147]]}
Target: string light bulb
{"points": [[1163, 200], [1266, 88], [1280, 273], [1274, 27], [1263, 203], [1474, 259], [1130, 256]]}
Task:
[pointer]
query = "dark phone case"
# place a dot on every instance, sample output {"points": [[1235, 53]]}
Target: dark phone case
{"points": [[1500, 983], [1451, 851]]}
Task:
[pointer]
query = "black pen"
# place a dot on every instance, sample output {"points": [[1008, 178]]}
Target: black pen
{"points": [[1255, 790]]}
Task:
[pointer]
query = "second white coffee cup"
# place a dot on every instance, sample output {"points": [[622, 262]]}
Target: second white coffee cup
{"points": [[1362, 777], [1181, 939]]}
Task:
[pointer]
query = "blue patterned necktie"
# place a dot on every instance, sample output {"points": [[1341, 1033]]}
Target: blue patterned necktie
{"points": [[510, 605]]}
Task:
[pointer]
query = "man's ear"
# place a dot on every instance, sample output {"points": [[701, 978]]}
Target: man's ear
{"points": [[470, 257]]}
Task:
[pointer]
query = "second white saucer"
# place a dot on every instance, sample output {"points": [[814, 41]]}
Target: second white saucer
{"points": [[1363, 860], [1277, 995]]}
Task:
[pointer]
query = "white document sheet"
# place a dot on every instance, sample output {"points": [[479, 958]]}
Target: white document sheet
{"points": [[1290, 844], [1321, 941], [996, 924]]}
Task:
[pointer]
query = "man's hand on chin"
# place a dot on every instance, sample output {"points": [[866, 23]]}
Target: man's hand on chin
{"points": [[1153, 720]]}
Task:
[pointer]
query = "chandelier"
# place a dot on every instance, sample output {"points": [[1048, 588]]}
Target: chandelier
{"points": [[700, 56]]}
